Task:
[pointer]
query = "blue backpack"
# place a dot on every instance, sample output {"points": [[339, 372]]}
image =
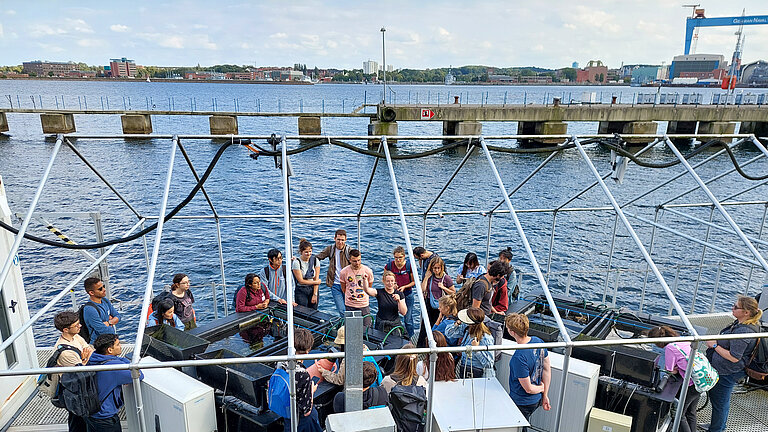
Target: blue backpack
{"points": [[279, 394]]}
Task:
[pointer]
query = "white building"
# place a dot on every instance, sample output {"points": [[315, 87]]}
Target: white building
{"points": [[370, 67]]}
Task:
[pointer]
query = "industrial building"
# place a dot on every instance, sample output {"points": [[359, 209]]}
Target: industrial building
{"points": [[122, 68], [701, 66], [595, 72], [46, 68], [755, 74]]}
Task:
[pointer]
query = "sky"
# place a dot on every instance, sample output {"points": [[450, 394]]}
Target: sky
{"points": [[343, 33]]}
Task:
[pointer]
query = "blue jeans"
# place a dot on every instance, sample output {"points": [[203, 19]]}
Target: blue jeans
{"points": [[720, 396], [409, 328], [338, 299]]}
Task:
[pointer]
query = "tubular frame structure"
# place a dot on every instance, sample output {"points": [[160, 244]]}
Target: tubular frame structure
{"points": [[476, 142]]}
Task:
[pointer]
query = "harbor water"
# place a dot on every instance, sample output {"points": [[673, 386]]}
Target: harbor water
{"points": [[332, 180]]}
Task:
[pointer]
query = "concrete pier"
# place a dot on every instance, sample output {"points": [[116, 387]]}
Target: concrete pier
{"points": [[681, 127], [223, 125], [633, 128], [717, 127], [57, 123], [136, 123], [310, 126], [462, 128], [3, 122], [382, 128], [542, 128]]}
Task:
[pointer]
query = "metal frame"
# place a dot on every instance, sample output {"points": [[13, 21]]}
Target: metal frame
{"points": [[432, 350]]}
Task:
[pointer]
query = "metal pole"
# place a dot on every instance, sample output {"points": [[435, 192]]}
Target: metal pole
{"points": [[488, 241], [148, 289], [470, 149], [650, 251], [717, 204], [684, 387], [417, 279], [717, 285], [701, 261], [365, 196], [384, 67], [353, 359], [530, 176], [636, 239], [103, 268], [289, 283], [610, 255], [759, 237], [25, 224], [69, 288], [216, 302], [551, 244], [755, 240], [542, 281]]}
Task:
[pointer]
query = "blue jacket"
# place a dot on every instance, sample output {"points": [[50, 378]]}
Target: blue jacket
{"points": [[110, 384], [95, 317]]}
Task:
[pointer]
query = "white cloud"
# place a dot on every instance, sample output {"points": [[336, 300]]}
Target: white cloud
{"points": [[278, 36], [119, 28], [10, 12], [90, 43], [41, 30], [77, 26]]}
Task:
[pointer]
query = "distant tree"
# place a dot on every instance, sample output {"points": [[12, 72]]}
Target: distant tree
{"points": [[569, 73]]}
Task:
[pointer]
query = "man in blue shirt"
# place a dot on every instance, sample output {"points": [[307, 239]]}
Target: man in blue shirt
{"points": [[98, 313], [529, 369], [109, 384]]}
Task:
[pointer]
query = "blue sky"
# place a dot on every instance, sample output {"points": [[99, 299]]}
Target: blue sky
{"points": [[423, 34]]}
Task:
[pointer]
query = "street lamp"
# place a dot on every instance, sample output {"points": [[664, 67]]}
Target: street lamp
{"points": [[384, 64]]}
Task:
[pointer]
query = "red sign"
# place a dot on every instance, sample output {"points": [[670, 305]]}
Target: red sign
{"points": [[427, 114]]}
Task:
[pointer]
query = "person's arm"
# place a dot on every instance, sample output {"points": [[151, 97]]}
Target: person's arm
{"points": [[177, 322], [114, 315], [333, 377], [529, 387], [546, 378], [93, 320], [447, 285], [325, 253], [401, 306], [411, 284], [240, 305], [367, 285]]}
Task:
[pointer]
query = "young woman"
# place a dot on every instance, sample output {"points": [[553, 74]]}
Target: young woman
{"points": [[729, 358], [252, 296], [676, 356], [445, 367], [470, 330], [183, 300], [405, 372], [391, 305], [470, 268], [435, 286], [306, 273], [165, 315], [448, 312]]}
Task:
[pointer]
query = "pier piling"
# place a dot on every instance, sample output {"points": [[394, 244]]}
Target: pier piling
{"points": [[3, 122], [136, 123], [57, 123], [223, 125]]}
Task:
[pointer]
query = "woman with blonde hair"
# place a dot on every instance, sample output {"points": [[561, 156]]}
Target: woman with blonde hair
{"points": [[729, 357], [405, 372]]}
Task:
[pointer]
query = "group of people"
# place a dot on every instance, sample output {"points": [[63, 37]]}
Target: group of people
{"points": [[728, 356]]}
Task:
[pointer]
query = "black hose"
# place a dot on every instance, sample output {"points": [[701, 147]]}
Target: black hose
{"points": [[134, 236]]}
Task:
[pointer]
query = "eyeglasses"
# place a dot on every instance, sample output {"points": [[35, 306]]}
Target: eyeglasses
{"points": [[736, 307]]}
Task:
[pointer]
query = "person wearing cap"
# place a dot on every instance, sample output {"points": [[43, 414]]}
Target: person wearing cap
{"points": [[529, 369], [338, 376], [470, 330]]}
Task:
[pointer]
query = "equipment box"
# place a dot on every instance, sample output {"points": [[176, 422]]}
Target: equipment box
{"points": [[247, 382], [166, 343]]}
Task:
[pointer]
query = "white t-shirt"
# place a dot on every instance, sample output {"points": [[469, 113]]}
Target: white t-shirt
{"points": [[336, 280]]}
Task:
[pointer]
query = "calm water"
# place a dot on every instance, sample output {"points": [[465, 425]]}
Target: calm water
{"points": [[332, 180]]}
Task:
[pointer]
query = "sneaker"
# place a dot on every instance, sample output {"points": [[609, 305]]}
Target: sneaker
{"points": [[703, 426]]}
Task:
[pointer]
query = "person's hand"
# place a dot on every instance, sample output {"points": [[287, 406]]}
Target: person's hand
{"points": [[545, 403], [320, 368], [294, 304], [475, 342], [281, 301], [113, 320], [396, 297], [87, 351], [313, 299], [314, 387]]}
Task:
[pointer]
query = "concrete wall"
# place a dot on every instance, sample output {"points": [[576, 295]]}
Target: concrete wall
{"points": [[223, 125], [57, 123], [136, 123]]}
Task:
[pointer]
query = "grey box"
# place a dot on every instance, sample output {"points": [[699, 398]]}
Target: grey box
{"points": [[370, 420]]}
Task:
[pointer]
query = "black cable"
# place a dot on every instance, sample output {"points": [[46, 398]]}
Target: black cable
{"points": [[139, 234]]}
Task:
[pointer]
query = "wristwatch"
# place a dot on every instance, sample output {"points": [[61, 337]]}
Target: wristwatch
{"points": [[714, 346]]}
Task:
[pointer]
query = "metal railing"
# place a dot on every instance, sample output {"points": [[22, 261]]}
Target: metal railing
{"points": [[567, 344]]}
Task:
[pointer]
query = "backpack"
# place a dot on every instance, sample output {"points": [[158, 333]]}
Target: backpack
{"points": [[78, 393], [279, 394], [85, 332], [391, 267], [757, 365], [157, 299], [464, 296], [408, 405], [49, 382], [266, 273], [704, 376]]}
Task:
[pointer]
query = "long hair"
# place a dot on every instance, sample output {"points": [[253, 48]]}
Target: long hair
{"points": [[164, 306], [662, 331], [437, 261], [750, 305], [479, 329], [445, 368], [405, 367], [469, 260]]}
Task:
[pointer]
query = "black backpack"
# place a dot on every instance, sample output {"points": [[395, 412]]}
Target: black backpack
{"points": [[78, 393], [757, 364], [408, 405], [85, 332]]}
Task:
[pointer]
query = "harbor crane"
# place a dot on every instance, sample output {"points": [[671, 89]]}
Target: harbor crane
{"points": [[699, 20]]}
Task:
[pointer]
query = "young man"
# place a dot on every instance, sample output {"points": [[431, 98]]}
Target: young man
{"points": [[305, 388], [482, 288], [338, 258], [98, 313], [273, 276], [109, 384], [69, 325], [356, 280], [404, 282], [425, 257], [529, 369]]}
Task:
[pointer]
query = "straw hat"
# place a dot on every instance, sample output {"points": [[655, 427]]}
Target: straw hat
{"points": [[339, 336], [465, 318]]}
